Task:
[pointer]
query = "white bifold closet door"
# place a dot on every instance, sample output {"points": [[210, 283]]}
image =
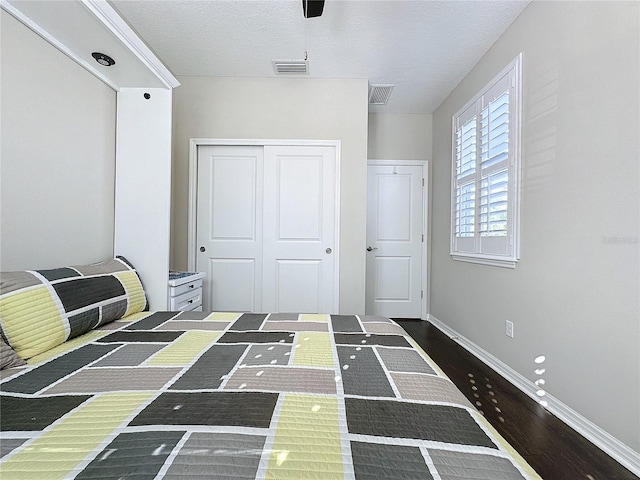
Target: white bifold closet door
{"points": [[266, 228]]}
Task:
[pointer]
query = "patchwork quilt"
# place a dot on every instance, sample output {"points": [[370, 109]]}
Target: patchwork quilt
{"points": [[229, 395]]}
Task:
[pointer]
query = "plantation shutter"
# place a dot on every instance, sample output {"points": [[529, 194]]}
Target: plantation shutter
{"points": [[494, 169], [484, 174], [465, 180]]}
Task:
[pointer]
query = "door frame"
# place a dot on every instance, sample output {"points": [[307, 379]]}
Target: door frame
{"points": [[194, 143], [426, 193]]}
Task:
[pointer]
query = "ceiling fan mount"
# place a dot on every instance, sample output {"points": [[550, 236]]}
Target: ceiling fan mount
{"points": [[312, 8]]}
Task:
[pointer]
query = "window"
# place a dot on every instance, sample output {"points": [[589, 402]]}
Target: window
{"points": [[486, 173]]}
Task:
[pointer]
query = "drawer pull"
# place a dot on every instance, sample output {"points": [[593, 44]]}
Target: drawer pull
{"points": [[191, 286], [191, 301]]}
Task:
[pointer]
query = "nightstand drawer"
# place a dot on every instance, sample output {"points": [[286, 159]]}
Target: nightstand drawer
{"points": [[184, 288], [187, 301]]}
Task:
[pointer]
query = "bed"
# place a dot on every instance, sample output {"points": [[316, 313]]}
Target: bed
{"points": [[243, 395]]}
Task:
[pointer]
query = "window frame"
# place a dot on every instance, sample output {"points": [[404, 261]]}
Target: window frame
{"points": [[471, 248]]}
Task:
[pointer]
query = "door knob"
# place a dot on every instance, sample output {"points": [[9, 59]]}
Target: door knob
{"points": [[328, 250], [202, 249], [370, 248]]}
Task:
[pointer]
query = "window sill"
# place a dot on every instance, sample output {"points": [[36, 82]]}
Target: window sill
{"points": [[486, 260]]}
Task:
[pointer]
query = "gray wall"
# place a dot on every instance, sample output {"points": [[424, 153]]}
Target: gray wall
{"points": [[397, 136], [279, 108], [574, 295], [57, 156]]}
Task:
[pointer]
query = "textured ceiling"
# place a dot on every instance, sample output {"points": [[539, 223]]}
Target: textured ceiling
{"points": [[425, 48]]}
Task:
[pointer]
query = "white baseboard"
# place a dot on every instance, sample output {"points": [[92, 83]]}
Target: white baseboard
{"points": [[596, 435]]}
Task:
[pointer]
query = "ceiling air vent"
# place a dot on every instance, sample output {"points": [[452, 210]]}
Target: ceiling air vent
{"points": [[291, 67], [379, 94]]}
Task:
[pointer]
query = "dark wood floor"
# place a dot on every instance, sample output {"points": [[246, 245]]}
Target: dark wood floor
{"points": [[552, 448]]}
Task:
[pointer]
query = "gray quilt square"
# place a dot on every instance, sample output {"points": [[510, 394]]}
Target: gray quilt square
{"points": [[12, 281], [129, 355], [217, 455], [373, 461], [362, 373], [8, 445], [374, 318], [232, 409], [133, 455], [193, 315], [268, 355], [404, 360], [455, 465], [248, 322], [438, 423], [284, 316], [345, 323]]}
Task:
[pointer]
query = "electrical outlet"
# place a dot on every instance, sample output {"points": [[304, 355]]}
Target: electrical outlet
{"points": [[509, 328]]}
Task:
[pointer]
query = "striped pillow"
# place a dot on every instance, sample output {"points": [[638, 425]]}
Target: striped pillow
{"points": [[8, 357], [40, 309]]}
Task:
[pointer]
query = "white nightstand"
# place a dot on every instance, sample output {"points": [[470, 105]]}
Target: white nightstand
{"points": [[185, 291]]}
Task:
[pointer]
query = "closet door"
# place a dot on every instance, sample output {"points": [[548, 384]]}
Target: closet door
{"points": [[266, 228], [299, 229], [229, 227]]}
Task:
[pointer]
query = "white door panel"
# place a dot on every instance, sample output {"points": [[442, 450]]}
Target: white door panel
{"points": [[398, 269], [299, 229], [394, 210], [297, 196], [229, 226], [298, 286], [394, 241], [232, 284], [233, 198]]}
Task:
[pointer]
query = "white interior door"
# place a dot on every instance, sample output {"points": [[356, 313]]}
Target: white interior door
{"points": [[266, 228], [394, 241], [229, 227], [299, 261]]}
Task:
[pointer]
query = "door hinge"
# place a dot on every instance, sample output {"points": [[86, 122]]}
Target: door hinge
{"points": [[423, 182], [421, 293], [423, 238]]}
